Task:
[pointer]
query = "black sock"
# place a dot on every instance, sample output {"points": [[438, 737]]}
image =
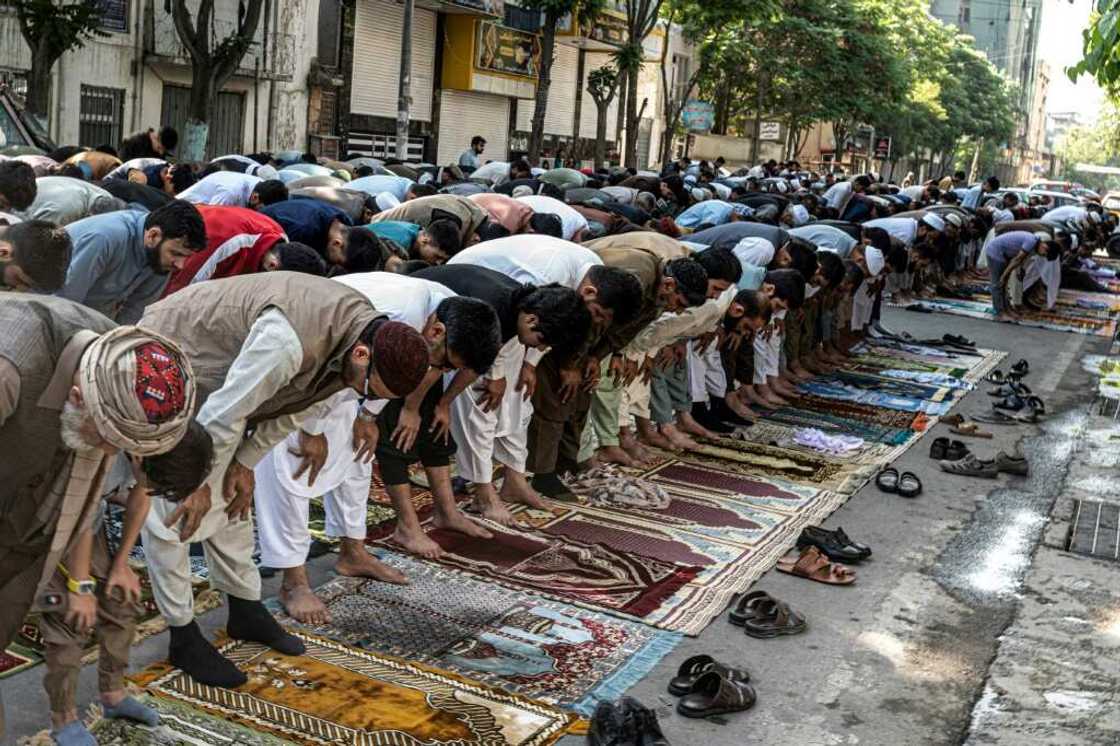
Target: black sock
{"points": [[725, 413], [707, 419], [250, 620], [191, 652]]}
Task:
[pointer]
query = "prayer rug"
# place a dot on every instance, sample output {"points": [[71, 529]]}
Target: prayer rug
{"points": [[1064, 317], [180, 725], [769, 432], [584, 573], [831, 423], [553, 652], [868, 413], [336, 694]]}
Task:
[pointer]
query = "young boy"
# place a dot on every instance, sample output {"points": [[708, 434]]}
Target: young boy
{"points": [[95, 590]]}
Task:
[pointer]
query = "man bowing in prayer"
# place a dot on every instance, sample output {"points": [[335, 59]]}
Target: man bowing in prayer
{"points": [[267, 348], [73, 390]]}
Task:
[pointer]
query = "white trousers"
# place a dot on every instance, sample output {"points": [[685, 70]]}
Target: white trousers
{"points": [[500, 435], [705, 373], [282, 501]]}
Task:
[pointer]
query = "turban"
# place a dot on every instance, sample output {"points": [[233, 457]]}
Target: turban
{"points": [[934, 221], [139, 389], [874, 259], [400, 356]]}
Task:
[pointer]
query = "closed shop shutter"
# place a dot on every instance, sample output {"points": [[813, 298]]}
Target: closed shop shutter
{"points": [[589, 114], [377, 51], [463, 115], [226, 128], [560, 114]]}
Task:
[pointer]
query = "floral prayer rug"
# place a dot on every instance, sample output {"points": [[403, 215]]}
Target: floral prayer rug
{"points": [[770, 432], [179, 725], [337, 694], [1063, 317], [553, 652]]}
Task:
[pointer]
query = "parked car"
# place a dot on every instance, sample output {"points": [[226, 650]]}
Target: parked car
{"points": [[1066, 187], [1111, 203], [20, 132]]}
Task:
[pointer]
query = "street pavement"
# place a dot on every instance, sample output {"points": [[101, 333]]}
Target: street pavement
{"points": [[970, 624]]}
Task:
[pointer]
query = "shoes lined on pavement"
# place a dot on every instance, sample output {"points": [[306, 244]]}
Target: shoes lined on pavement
{"points": [[829, 545], [1009, 464], [971, 466]]}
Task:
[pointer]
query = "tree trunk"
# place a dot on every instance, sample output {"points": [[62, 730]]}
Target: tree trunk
{"points": [[601, 133], [620, 115], [759, 99], [193, 148], [581, 75], [404, 88], [544, 83], [631, 159], [39, 83]]}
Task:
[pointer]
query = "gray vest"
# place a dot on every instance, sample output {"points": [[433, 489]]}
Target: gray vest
{"points": [[36, 330]]}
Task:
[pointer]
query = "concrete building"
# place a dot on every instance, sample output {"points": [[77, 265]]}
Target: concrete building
{"points": [[139, 76]]}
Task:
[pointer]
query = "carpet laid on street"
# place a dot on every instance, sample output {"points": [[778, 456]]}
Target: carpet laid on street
{"points": [[515, 639], [1076, 311]]}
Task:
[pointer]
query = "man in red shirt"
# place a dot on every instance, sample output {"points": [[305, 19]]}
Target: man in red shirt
{"points": [[240, 241]]}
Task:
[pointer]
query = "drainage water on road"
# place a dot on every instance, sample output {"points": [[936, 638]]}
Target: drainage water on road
{"points": [[986, 563]]}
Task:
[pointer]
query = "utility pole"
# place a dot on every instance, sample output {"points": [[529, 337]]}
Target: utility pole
{"points": [[404, 97]]}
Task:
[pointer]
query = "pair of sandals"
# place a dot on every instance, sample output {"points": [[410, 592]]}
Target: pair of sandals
{"points": [[905, 484], [943, 449], [1018, 403], [763, 616], [1011, 388], [707, 687], [813, 565], [1019, 371]]}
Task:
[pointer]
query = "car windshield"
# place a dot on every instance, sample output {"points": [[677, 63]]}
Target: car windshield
{"points": [[9, 132]]}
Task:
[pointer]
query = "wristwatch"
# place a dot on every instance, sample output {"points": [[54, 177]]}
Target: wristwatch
{"points": [[79, 587]]}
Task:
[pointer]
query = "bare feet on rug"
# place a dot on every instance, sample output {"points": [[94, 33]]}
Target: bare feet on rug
{"points": [[303, 605], [1005, 317], [415, 541], [456, 521], [755, 397], [650, 436], [687, 424], [490, 506], [799, 372], [738, 406], [591, 463], [636, 450], [770, 397], [354, 561], [680, 441], [614, 455], [516, 489]]}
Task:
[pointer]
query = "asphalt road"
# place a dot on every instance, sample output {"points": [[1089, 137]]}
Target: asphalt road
{"points": [[904, 655]]}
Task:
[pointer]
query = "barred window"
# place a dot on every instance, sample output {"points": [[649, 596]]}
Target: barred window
{"points": [[101, 115]]}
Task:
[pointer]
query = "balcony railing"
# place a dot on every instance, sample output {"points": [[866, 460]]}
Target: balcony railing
{"points": [[271, 55]]}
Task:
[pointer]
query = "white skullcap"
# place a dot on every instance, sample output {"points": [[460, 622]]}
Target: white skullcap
{"points": [[1094, 217], [875, 260], [387, 201], [799, 215], [699, 194], [523, 190], [1043, 236], [954, 218], [934, 221], [267, 172]]}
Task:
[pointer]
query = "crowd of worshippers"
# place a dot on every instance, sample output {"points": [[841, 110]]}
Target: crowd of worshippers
{"points": [[203, 344]]}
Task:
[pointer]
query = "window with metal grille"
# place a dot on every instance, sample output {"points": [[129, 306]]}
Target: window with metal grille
{"points": [[522, 18], [114, 14], [330, 32], [100, 116]]}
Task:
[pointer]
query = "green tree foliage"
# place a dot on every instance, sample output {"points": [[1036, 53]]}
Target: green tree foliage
{"points": [[51, 29], [1098, 145], [1100, 48]]}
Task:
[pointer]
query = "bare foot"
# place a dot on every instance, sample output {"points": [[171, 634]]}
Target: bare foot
{"points": [[303, 605], [516, 489], [686, 423], [739, 407], [650, 436], [362, 564], [456, 521], [614, 455], [636, 450], [679, 440], [490, 506], [417, 542], [757, 399], [800, 373]]}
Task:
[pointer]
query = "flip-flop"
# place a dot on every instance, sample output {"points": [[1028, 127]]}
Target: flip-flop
{"points": [[909, 485], [698, 666], [812, 565], [887, 481], [774, 618], [715, 694], [969, 430]]}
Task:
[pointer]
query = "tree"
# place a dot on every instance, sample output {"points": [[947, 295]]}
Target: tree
{"points": [[641, 18], [212, 65], [1097, 145], [404, 83], [583, 13], [1100, 48], [602, 84], [51, 29]]}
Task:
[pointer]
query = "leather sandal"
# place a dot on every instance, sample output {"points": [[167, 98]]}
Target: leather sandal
{"points": [[715, 694], [938, 448], [774, 618], [697, 666], [995, 417], [887, 481], [813, 565], [744, 608], [953, 419], [970, 430], [909, 485]]}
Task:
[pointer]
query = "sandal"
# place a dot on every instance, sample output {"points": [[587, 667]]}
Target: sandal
{"points": [[887, 481], [1012, 403], [943, 449], [995, 417], [1022, 368], [774, 618], [715, 694], [996, 377], [970, 430], [813, 565], [938, 447], [953, 419], [696, 667], [909, 485]]}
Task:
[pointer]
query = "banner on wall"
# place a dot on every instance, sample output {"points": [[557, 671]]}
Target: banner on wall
{"points": [[697, 115], [506, 50]]}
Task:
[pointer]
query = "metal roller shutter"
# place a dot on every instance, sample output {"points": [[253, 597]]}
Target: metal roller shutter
{"points": [[589, 114], [377, 50], [560, 113], [463, 115]]}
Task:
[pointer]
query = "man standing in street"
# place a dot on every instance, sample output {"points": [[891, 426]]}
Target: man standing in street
{"points": [[267, 348], [471, 158], [123, 260], [73, 389]]}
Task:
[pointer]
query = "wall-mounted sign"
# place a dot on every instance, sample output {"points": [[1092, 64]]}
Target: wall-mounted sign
{"points": [[506, 50], [609, 29], [770, 131], [882, 148], [697, 115], [496, 8]]}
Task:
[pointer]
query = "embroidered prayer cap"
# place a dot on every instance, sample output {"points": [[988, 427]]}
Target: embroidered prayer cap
{"points": [[400, 356], [139, 389]]}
